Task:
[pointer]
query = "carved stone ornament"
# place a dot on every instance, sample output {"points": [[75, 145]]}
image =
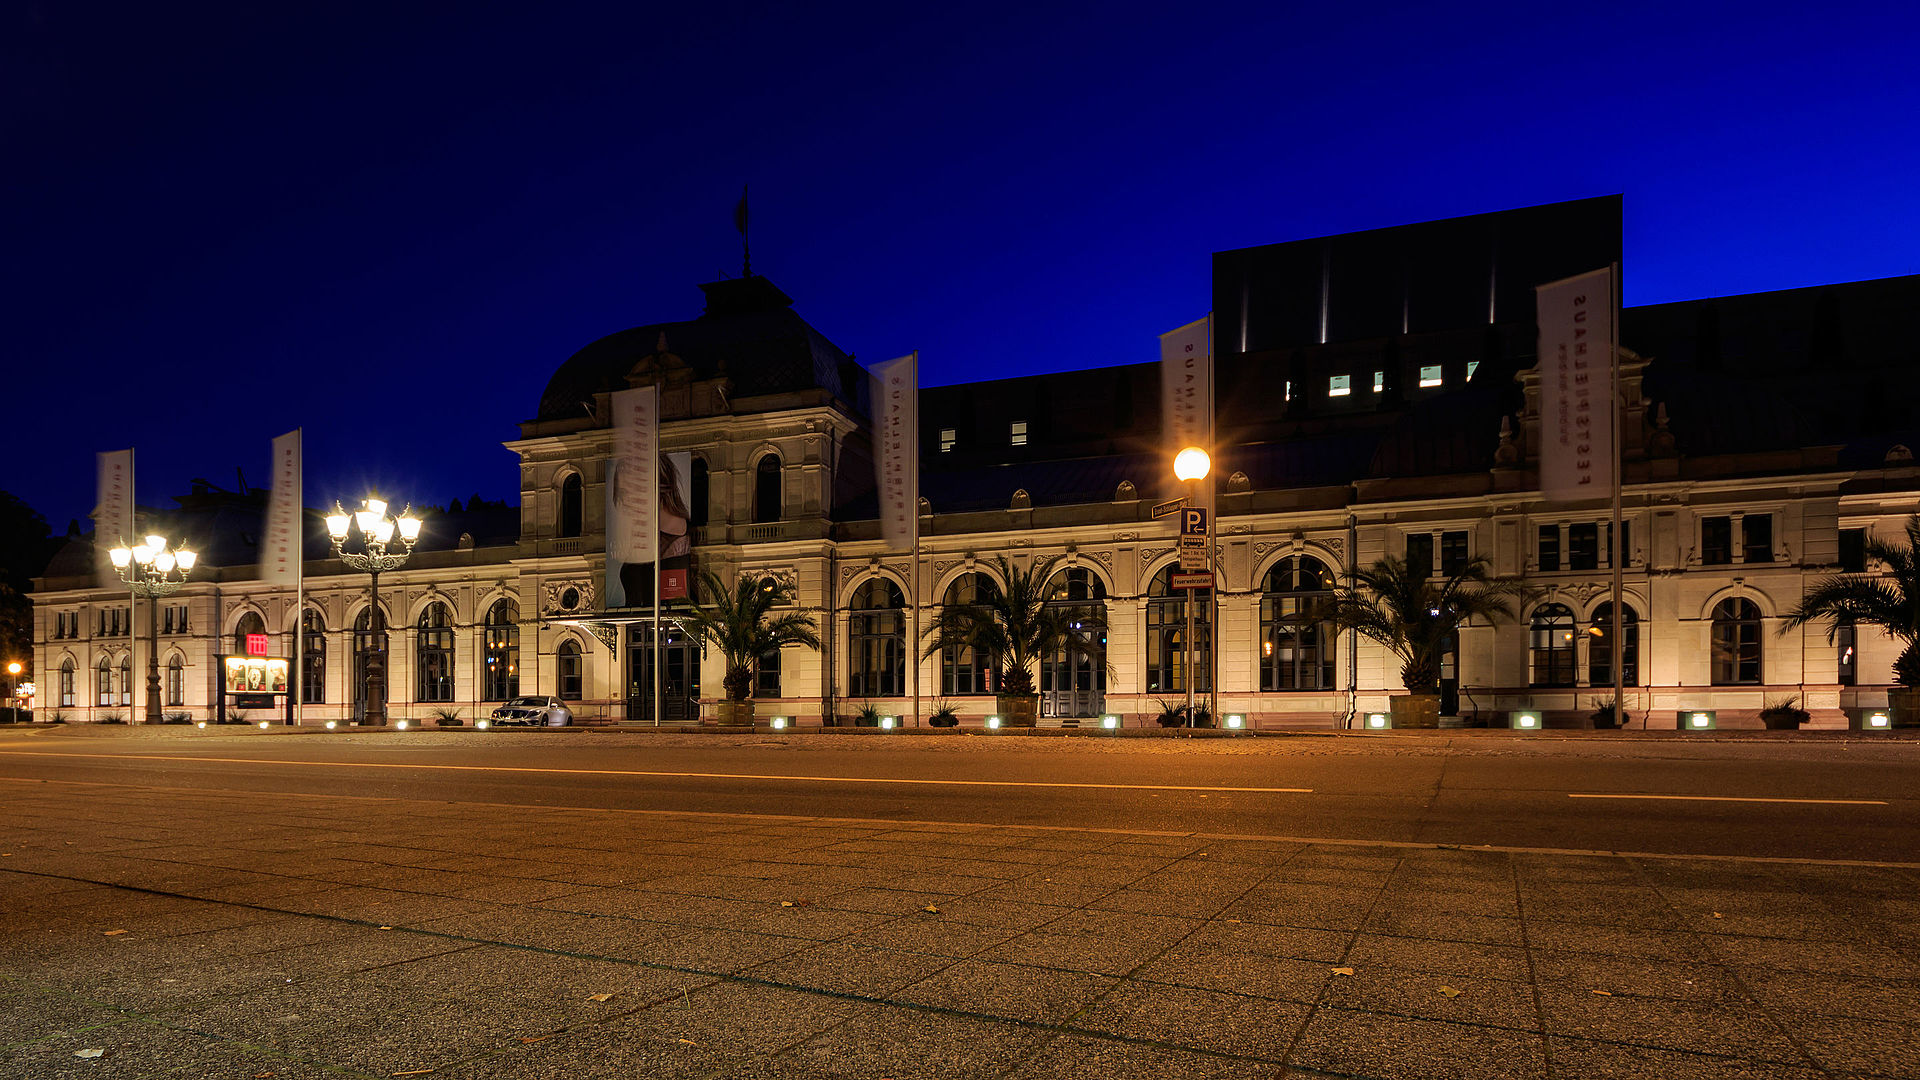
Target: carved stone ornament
{"points": [[1104, 558], [608, 635], [783, 575], [585, 596], [1149, 555], [1261, 547]]}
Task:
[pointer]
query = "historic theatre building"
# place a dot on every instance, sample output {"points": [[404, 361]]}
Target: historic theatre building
{"points": [[1375, 393]]}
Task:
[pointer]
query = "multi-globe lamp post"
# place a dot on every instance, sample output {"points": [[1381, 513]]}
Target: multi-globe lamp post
{"points": [[1190, 466], [153, 570], [377, 551]]}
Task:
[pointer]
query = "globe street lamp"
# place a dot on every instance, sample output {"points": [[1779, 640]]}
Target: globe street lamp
{"points": [[376, 531], [153, 570], [1191, 466], [13, 687]]}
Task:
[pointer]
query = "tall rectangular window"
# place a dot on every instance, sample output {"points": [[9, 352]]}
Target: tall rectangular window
{"points": [[1549, 547], [1430, 375], [1339, 385], [948, 436], [1453, 552], [1716, 541], [1853, 551], [1756, 538], [1583, 547], [1621, 553], [1420, 553], [1017, 432], [1379, 381]]}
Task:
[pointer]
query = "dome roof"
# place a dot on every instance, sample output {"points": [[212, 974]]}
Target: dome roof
{"points": [[748, 334]]}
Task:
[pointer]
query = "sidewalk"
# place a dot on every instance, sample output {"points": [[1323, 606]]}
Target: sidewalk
{"points": [[195, 935]]}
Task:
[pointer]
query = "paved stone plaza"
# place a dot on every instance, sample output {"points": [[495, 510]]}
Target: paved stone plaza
{"points": [[189, 934]]}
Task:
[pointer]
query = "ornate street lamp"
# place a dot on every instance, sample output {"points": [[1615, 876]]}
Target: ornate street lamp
{"points": [[153, 570], [376, 531]]}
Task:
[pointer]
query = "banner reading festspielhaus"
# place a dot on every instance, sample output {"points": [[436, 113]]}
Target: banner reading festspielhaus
{"points": [[1575, 317], [896, 461], [280, 555], [1186, 385], [633, 487]]}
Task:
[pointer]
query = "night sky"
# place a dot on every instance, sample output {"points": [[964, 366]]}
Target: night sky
{"points": [[388, 224]]}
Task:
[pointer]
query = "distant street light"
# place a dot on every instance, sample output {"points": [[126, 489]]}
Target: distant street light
{"points": [[153, 571], [13, 686], [1191, 466], [376, 531]]}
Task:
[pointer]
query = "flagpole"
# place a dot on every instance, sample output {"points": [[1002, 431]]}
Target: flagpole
{"points": [[1213, 511], [913, 581], [299, 579], [131, 525], [1617, 630]]}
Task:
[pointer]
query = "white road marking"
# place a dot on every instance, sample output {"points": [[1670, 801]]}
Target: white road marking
{"points": [[1737, 798]]}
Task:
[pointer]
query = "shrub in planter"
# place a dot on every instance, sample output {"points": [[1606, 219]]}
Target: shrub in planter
{"points": [[944, 715], [114, 718], [59, 716], [1784, 714], [1016, 625], [1888, 597], [177, 718], [868, 716], [448, 718], [740, 621], [1602, 714], [1171, 715]]}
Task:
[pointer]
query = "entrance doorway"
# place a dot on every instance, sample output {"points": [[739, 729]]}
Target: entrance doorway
{"points": [[680, 671]]}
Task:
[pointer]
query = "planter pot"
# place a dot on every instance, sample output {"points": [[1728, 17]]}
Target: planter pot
{"points": [[1903, 706], [1415, 710], [1019, 711], [736, 713], [1781, 723]]}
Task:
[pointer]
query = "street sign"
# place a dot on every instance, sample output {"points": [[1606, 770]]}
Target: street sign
{"points": [[1193, 553], [1192, 581], [1161, 510], [1193, 521]]}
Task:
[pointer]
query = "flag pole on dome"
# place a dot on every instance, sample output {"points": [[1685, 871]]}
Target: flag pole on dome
{"points": [[740, 222]]}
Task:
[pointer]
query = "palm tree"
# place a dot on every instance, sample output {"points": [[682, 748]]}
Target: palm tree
{"points": [[1016, 627], [738, 622], [1888, 600], [1414, 617]]}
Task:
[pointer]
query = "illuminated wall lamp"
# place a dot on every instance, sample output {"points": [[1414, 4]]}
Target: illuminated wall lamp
{"points": [[778, 723], [1110, 722], [1525, 721], [1236, 721], [402, 725], [201, 724], [1697, 720], [482, 723], [263, 725], [1876, 721], [1377, 721], [331, 724], [887, 722]]}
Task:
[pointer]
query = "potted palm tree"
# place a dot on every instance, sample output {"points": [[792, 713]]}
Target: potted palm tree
{"points": [[1415, 618], [740, 623], [1890, 600], [1016, 627]]}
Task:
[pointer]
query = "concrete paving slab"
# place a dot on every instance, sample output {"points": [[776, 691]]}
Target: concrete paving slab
{"points": [[1733, 1030], [1583, 1059], [1077, 1057], [1012, 991], [1235, 1024], [1363, 1044]]}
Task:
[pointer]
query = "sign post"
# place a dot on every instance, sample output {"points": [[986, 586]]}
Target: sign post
{"points": [[1194, 563]]}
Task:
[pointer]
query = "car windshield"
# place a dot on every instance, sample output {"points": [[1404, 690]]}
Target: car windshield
{"points": [[526, 702]]}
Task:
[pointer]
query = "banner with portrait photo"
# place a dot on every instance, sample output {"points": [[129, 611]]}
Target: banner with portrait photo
{"points": [[636, 530]]}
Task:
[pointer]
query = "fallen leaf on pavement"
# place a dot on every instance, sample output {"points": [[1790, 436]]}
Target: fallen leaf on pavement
{"points": [[1604, 993], [1717, 915], [689, 1042], [931, 908], [88, 1053], [1450, 991], [261, 1076], [599, 997], [114, 933], [389, 928], [786, 903], [415, 1072], [1343, 971]]}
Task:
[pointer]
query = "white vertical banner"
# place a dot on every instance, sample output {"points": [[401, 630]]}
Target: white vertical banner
{"points": [[1186, 386], [896, 458], [280, 555], [1575, 316], [633, 487], [113, 514]]}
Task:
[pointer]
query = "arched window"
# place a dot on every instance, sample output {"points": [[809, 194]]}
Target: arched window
{"points": [[877, 641], [572, 506], [1073, 680], [502, 674], [250, 623], [103, 683], [701, 487], [126, 679], [433, 653], [967, 671], [313, 666], [1550, 641], [1847, 662], [1294, 655], [1167, 635], [766, 489], [176, 681], [1600, 648], [370, 663], [567, 660], [66, 682], [1736, 642]]}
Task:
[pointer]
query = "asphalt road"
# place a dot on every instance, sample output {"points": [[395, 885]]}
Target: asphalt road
{"points": [[1853, 799]]}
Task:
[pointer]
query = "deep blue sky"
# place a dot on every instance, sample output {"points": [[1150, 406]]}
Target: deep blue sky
{"points": [[388, 224]]}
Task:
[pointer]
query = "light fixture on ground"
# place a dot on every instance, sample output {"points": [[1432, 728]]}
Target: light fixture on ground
{"points": [[1379, 721], [377, 551], [1524, 721], [153, 570], [1110, 722], [993, 723], [777, 723], [1698, 720], [1236, 721]]}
